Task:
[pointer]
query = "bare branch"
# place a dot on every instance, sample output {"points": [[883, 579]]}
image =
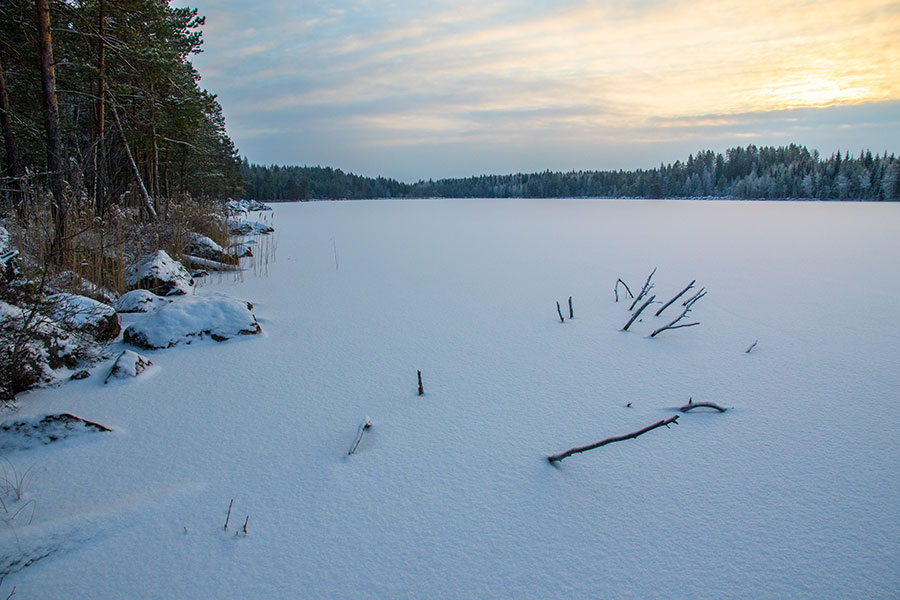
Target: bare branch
{"points": [[630, 436], [627, 289], [692, 406], [367, 422], [647, 287], [680, 294], [695, 297], [752, 346], [638, 312], [673, 325], [559, 312]]}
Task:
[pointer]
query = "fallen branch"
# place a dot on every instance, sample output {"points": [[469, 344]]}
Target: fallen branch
{"points": [[618, 281], [559, 312], [621, 438], [636, 314], [680, 294], [647, 287], [367, 422], [673, 325], [228, 516], [752, 346], [692, 406]]}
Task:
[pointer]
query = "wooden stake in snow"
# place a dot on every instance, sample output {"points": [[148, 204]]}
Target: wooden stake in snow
{"points": [[367, 422], [559, 312], [618, 281], [647, 287], [421, 389], [752, 346], [691, 406], [571, 312], [680, 294], [228, 516], [638, 312], [630, 436]]}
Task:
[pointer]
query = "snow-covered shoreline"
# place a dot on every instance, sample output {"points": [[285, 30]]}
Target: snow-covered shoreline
{"points": [[793, 493]]}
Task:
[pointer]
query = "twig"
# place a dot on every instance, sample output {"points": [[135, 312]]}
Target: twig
{"points": [[635, 315], [421, 389], [695, 297], [692, 406], [752, 346], [672, 325], [571, 312], [680, 294], [630, 436], [245, 524], [618, 281], [647, 287], [367, 422], [559, 312], [228, 516]]}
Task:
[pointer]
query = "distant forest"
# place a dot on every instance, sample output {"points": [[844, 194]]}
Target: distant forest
{"points": [[777, 173]]}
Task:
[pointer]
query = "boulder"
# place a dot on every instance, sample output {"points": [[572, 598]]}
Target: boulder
{"points": [[236, 227], [193, 317], [85, 315], [129, 364], [139, 301], [206, 248], [160, 274]]}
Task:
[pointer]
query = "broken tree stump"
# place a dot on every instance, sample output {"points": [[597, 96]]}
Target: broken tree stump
{"points": [[630, 436], [367, 422]]}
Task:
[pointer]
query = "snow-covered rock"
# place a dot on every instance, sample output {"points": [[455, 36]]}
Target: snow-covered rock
{"points": [[243, 206], [160, 274], [129, 364], [240, 250], [40, 431], [86, 315], [72, 282], [201, 246], [139, 301], [216, 315], [236, 227]]}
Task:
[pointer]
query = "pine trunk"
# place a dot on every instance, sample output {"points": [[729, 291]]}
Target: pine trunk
{"points": [[13, 166], [51, 119]]}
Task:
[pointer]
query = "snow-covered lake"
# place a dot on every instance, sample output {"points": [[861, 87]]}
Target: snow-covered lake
{"points": [[792, 493]]}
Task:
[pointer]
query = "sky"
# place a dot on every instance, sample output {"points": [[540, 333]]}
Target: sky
{"points": [[418, 90]]}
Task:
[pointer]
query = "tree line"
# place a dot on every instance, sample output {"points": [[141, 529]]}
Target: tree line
{"points": [[784, 172]]}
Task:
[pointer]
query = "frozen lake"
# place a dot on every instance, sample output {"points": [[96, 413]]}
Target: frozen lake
{"points": [[794, 492]]}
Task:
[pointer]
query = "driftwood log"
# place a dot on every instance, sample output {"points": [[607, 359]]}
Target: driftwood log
{"points": [[621, 438], [616, 290], [367, 422], [692, 405], [638, 312]]}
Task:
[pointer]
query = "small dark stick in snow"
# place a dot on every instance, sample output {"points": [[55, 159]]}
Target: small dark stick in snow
{"points": [[559, 312], [616, 290], [571, 312], [664, 423], [421, 389], [644, 290], [367, 422], [245, 524], [691, 406], [679, 295], [752, 346], [628, 405], [228, 516], [639, 311]]}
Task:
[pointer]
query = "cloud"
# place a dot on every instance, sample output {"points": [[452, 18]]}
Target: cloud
{"points": [[409, 74]]}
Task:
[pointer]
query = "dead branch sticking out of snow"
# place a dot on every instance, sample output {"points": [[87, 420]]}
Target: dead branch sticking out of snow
{"points": [[695, 297], [687, 308], [621, 438], [367, 422], [638, 312], [752, 346], [421, 389], [228, 516], [680, 294], [571, 311], [647, 287], [692, 406], [618, 281], [559, 312]]}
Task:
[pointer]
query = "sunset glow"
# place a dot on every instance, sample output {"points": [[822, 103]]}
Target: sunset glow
{"points": [[561, 79]]}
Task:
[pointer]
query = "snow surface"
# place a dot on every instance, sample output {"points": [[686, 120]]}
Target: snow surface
{"points": [[792, 493]]}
